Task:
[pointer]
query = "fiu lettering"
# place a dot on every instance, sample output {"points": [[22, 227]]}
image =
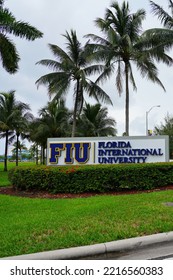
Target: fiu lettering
{"points": [[73, 151]]}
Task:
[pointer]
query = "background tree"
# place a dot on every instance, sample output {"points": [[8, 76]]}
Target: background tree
{"points": [[166, 128], [12, 119], [34, 152], [9, 25], [124, 44], [53, 122], [94, 121], [8, 111], [39, 135], [72, 68], [18, 147], [56, 117], [21, 125]]}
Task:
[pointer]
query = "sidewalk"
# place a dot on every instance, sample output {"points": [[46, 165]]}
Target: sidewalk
{"points": [[110, 250]]}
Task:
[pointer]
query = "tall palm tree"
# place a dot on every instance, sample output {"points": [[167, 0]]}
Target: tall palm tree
{"points": [[9, 25], [7, 113], [72, 68], [10, 109], [94, 121], [124, 44]]}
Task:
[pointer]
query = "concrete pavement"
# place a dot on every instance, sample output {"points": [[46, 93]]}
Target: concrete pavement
{"points": [[146, 247]]}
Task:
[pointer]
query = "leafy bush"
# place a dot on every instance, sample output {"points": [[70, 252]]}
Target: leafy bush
{"points": [[92, 178]]}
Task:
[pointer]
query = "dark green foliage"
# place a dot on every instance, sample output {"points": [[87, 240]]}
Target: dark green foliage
{"points": [[94, 121], [166, 128], [123, 45], [92, 178], [14, 116], [9, 25], [72, 68]]}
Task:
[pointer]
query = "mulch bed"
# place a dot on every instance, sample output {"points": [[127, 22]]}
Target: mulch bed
{"points": [[41, 194]]}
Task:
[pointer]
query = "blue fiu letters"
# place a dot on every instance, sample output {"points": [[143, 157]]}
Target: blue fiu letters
{"points": [[73, 151]]}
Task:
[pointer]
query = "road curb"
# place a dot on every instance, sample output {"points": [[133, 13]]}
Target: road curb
{"points": [[108, 250]]}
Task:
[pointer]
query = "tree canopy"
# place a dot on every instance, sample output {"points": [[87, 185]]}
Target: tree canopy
{"points": [[9, 25]]}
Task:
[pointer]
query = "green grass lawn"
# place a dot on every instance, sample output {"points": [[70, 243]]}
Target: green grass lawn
{"points": [[4, 175], [34, 225]]}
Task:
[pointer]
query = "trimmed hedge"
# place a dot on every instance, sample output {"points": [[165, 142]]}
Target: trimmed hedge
{"points": [[92, 178]]}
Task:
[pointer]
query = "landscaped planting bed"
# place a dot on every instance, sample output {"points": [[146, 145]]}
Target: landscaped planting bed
{"points": [[92, 178]]}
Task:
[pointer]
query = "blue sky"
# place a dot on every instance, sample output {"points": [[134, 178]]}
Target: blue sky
{"points": [[54, 18]]}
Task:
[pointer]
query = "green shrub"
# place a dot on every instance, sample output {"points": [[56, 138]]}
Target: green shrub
{"points": [[92, 178]]}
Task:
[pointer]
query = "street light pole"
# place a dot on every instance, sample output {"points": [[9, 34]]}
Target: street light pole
{"points": [[147, 117]]}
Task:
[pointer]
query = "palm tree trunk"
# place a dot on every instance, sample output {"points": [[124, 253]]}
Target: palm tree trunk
{"points": [[44, 156], [37, 154], [6, 150], [41, 159], [17, 150], [75, 111], [127, 100]]}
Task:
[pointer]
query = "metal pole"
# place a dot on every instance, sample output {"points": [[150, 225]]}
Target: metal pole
{"points": [[147, 112], [146, 123]]}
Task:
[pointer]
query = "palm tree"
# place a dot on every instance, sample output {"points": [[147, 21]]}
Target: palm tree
{"points": [[38, 135], [10, 110], [165, 18], [94, 121], [7, 114], [9, 25], [72, 67], [53, 122], [56, 117], [34, 151], [18, 146], [21, 125], [123, 44], [161, 38], [164, 36]]}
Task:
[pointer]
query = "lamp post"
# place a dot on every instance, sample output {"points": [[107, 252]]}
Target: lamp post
{"points": [[147, 117]]}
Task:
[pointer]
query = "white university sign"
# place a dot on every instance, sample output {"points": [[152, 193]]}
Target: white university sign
{"points": [[107, 150]]}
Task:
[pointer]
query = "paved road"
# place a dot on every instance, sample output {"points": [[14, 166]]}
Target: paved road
{"points": [[159, 252]]}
